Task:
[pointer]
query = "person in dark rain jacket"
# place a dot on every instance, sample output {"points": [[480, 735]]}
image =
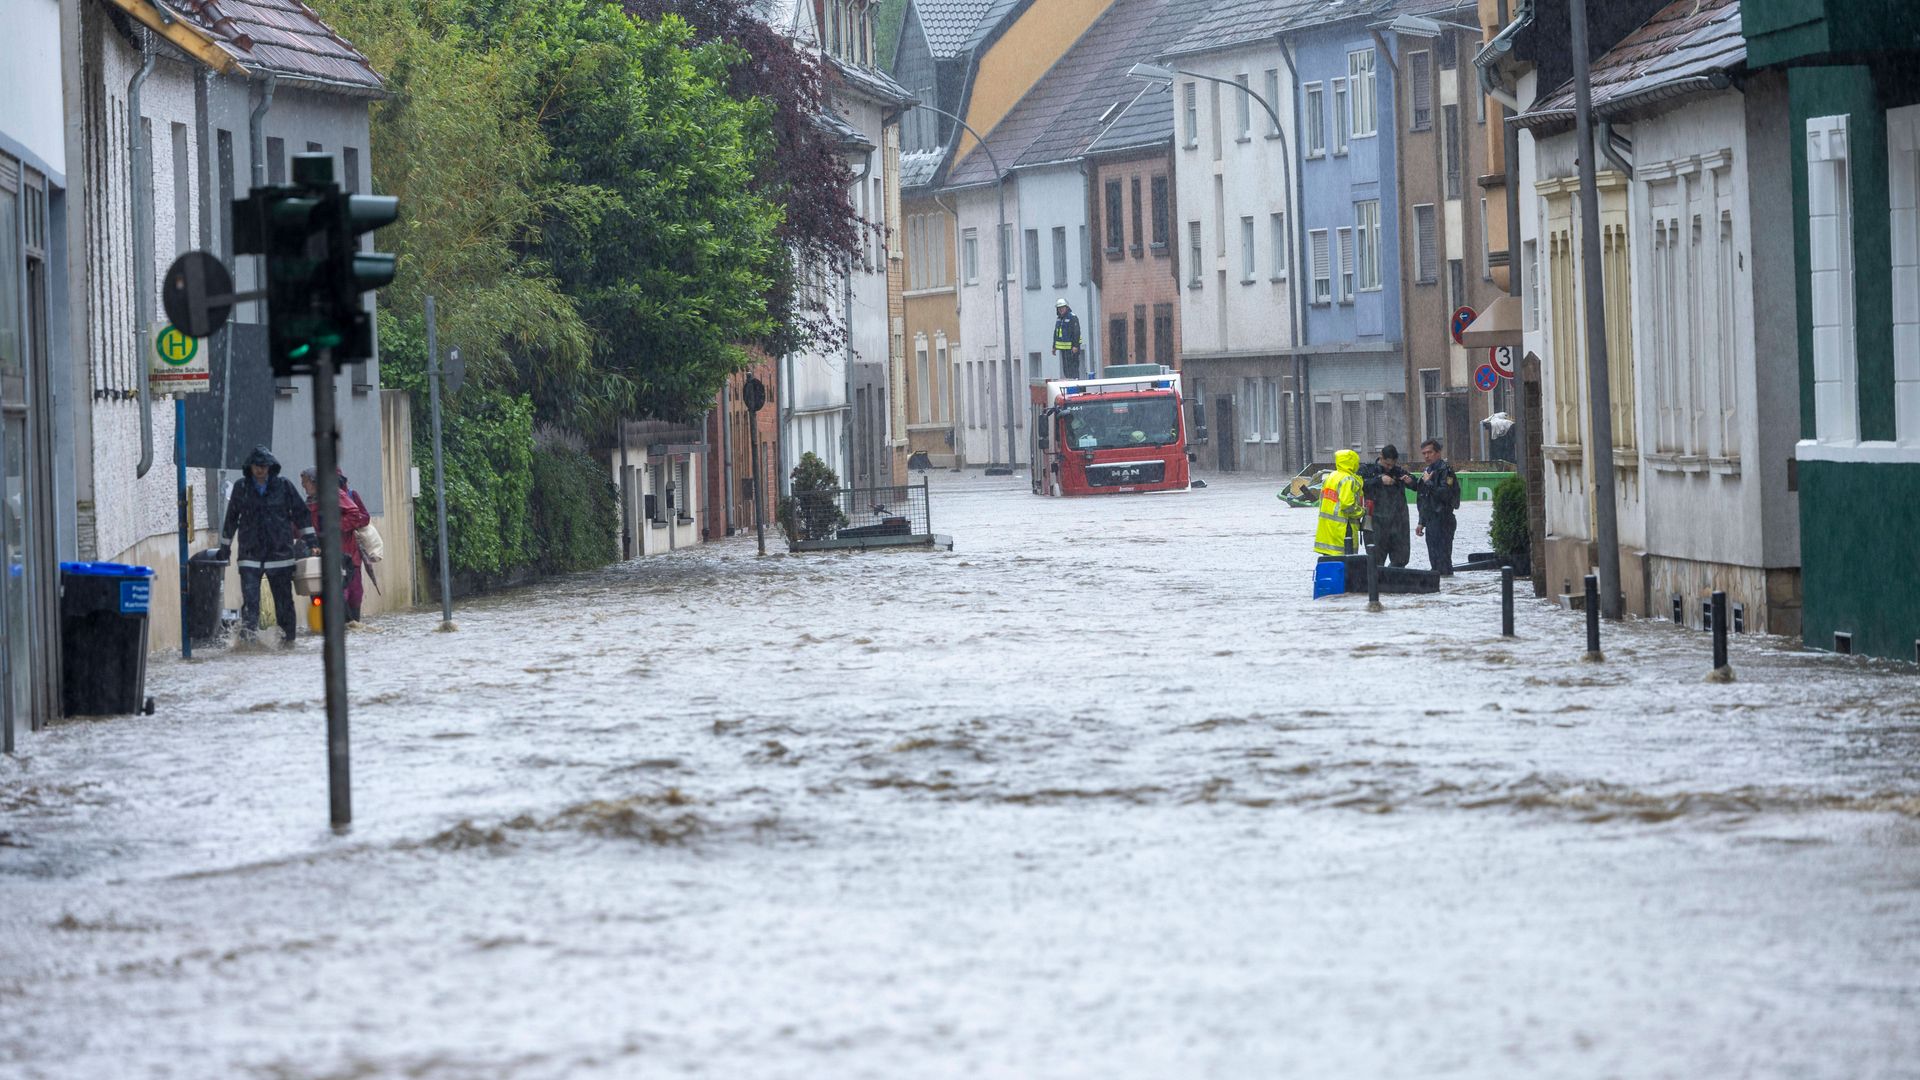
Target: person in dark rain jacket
{"points": [[268, 516], [1387, 485]]}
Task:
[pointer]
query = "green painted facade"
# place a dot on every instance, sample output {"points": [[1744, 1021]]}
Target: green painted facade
{"points": [[1859, 522], [1860, 556]]}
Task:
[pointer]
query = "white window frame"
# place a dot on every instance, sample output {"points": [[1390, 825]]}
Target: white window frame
{"points": [[1192, 102], [1249, 256], [1270, 389], [1342, 116], [923, 373], [1426, 244], [1273, 99], [1344, 268], [1243, 106], [1277, 236], [1195, 254], [1366, 217], [970, 249], [1249, 409], [1836, 368], [1322, 268], [1314, 98], [1363, 81]]}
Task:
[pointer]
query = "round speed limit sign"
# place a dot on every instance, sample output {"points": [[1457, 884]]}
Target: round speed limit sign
{"points": [[1500, 359]]}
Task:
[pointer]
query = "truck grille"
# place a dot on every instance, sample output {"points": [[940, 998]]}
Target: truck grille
{"points": [[1126, 474]]}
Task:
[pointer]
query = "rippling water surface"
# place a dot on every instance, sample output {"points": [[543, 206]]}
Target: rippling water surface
{"points": [[1100, 793]]}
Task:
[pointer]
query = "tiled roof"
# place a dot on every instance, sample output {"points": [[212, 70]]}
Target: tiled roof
{"points": [[841, 131], [948, 23], [1687, 39], [1147, 119], [871, 81], [284, 37], [1062, 114], [918, 167], [1236, 22], [998, 11]]}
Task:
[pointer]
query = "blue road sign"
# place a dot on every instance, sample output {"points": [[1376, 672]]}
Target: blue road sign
{"points": [[1486, 378]]}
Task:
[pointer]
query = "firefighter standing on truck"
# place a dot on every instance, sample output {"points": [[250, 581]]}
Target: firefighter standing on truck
{"points": [[1066, 338], [1341, 506]]}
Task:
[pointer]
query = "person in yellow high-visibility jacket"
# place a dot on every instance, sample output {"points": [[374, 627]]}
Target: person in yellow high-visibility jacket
{"points": [[1341, 505]]}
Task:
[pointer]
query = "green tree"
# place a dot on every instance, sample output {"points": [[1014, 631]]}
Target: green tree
{"points": [[459, 142], [665, 249]]}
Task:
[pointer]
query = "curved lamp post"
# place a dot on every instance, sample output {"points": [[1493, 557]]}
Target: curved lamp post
{"points": [[1006, 319]]}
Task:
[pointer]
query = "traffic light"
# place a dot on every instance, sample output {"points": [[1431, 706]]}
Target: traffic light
{"points": [[309, 232], [352, 272]]}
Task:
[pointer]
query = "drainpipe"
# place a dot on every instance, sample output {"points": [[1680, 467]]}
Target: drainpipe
{"points": [[1607, 147], [142, 186], [257, 149]]}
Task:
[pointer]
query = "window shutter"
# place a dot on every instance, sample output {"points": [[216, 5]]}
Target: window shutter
{"points": [[1420, 76], [1428, 266]]}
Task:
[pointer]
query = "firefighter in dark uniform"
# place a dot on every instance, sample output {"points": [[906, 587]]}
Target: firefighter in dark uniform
{"points": [[269, 517], [1386, 489], [1439, 492], [1066, 338]]}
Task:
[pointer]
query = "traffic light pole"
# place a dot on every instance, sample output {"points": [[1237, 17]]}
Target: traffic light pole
{"points": [[439, 471], [326, 459]]}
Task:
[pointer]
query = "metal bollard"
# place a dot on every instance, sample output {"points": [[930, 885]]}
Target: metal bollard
{"points": [[1593, 617], [1721, 671], [1373, 583], [1506, 601]]}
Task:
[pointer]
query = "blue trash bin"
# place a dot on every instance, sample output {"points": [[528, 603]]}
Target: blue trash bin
{"points": [[1329, 578], [103, 638]]}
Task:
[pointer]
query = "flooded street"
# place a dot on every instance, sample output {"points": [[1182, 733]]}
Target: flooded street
{"points": [[1099, 793]]}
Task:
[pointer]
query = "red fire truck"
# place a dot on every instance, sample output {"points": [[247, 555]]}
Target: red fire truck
{"points": [[1119, 433]]}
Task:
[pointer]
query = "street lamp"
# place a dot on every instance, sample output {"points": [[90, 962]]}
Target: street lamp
{"points": [[1006, 242], [1164, 77]]}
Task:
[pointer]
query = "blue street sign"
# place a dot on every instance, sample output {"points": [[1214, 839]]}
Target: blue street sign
{"points": [[1486, 378]]}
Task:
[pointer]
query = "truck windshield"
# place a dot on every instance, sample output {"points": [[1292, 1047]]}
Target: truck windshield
{"points": [[1107, 425]]}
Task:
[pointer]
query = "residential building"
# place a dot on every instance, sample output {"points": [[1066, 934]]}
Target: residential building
{"points": [[1445, 258], [1040, 145], [985, 195], [836, 402], [1356, 373], [37, 352], [1132, 213], [1237, 237], [1695, 293], [938, 53], [661, 470], [1852, 110], [178, 116], [731, 429]]}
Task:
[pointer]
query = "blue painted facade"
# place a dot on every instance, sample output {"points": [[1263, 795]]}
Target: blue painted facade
{"points": [[1354, 341]]}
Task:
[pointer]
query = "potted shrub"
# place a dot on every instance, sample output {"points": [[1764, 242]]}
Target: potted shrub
{"points": [[1509, 529]]}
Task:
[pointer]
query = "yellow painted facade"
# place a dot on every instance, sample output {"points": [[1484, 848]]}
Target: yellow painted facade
{"points": [[1022, 54]]}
